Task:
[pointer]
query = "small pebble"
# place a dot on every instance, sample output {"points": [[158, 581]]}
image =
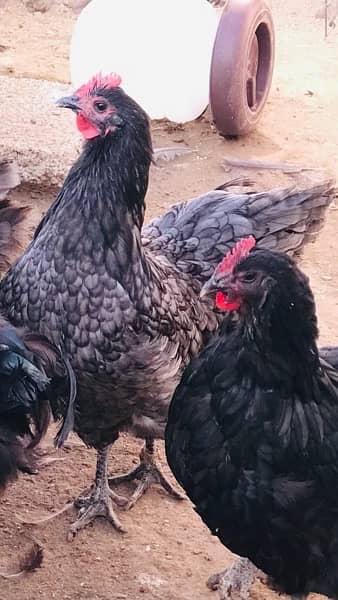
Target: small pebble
{"points": [[38, 5]]}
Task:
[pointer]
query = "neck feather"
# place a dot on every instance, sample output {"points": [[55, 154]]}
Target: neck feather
{"points": [[111, 179], [104, 197], [281, 338]]}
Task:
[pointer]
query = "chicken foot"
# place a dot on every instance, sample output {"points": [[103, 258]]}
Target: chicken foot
{"points": [[235, 582], [99, 502], [147, 472]]}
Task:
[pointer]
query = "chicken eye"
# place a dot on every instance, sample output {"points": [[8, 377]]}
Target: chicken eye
{"points": [[100, 106], [249, 277]]}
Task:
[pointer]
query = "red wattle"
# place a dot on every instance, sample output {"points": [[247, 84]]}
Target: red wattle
{"points": [[223, 304], [87, 129]]}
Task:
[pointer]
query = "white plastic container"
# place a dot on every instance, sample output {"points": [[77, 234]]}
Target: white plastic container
{"points": [[161, 48]]}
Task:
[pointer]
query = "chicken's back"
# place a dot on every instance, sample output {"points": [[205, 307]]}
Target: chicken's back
{"points": [[195, 235]]}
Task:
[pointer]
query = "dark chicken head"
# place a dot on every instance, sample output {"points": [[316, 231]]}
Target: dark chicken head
{"points": [[222, 283], [102, 107], [249, 277]]}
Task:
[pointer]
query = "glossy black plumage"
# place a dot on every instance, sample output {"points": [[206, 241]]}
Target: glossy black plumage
{"points": [[252, 433], [123, 304]]}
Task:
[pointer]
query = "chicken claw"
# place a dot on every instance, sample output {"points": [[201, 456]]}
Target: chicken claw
{"points": [[147, 472], [235, 582], [99, 502]]}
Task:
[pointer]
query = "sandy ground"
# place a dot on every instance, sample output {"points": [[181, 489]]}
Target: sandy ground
{"points": [[167, 553]]}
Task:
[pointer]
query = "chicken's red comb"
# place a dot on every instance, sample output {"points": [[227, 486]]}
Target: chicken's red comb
{"points": [[234, 256], [111, 80]]}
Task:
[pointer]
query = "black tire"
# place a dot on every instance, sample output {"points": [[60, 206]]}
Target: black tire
{"points": [[242, 66]]}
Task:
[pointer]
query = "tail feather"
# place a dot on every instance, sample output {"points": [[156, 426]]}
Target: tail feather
{"points": [[11, 216], [12, 457], [24, 405], [51, 361], [292, 218], [195, 235]]}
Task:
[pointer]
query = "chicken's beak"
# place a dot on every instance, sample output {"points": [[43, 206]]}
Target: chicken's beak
{"points": [[210, 288], [72, 102]]}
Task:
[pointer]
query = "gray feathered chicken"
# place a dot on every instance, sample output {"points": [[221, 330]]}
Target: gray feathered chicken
{"points": [[122, 301]]}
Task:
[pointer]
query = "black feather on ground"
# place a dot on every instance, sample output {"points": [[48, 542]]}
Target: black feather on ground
{"points": [[28, 563]]}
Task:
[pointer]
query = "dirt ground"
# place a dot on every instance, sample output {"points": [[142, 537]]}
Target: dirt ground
{"points": [[167, 553]]}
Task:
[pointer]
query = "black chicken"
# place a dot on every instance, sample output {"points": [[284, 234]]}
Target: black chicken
{"points": [[24, 407], [125, 308], [252, 431]]}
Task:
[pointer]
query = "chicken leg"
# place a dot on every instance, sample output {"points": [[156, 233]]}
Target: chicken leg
{"points": [[235, 582], [99, 502], [147, 472]]}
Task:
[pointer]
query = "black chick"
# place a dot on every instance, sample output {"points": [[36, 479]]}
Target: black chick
{"points": [[252, 431]]}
